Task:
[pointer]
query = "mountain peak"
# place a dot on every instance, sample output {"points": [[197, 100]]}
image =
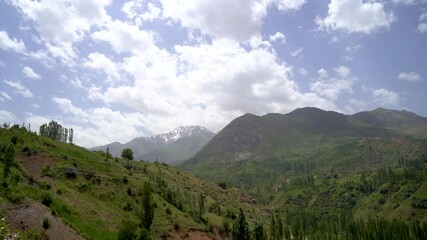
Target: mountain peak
{"points": [[182, 132]]}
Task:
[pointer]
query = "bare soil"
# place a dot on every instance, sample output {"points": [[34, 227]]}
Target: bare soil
{"points": [[30, 215], [33, 165]]}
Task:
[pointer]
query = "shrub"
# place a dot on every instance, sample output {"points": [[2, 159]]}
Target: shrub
{"points": [[70, 172], [47, 199], [127, 230], [46, 223], [168, 211]]}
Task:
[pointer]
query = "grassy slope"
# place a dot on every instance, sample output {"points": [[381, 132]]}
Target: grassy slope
{"points": [[94, 206], [282, 151]]}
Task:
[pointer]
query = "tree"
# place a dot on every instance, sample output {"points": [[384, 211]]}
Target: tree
{"points": [[127, 230], [127, 153], [146, 214], [70, 135], [201, 205], [7, 155], [259, 231], [240, 228]]}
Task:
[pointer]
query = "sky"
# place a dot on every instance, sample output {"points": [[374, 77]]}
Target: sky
{"points": [[116, 70]]}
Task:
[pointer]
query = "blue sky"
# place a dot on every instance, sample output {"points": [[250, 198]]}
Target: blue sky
{"points": [[115, 70]]}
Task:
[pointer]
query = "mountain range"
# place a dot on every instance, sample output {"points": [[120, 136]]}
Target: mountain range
{"points": [[314, 160], [178, 144]]}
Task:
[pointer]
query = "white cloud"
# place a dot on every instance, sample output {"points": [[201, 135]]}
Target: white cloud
{"points": [[97, 126], [297, 52], [409, 2], [7, 43], [67, 107], [225, 80], [237, 19], [332, 88], [7, 117], [284, 5], [423, 16], [302, 71], [278, 36], [386, 97], [60, 23], [25, 92], [4, 95], [353, 48], [410, 76], [356, 16], [125, 38], [135, 10], [99, 61], [29, 73], [422, 27]]}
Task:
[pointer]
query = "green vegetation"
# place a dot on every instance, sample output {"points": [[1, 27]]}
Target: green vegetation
{"points": [[336, 177], [127, 154], [94, 193]]}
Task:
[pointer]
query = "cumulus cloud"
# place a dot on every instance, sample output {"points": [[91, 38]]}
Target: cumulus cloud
{"points": [[29, 73], [410, 76], [20, 89], [422, 27], [238, 19], [9, 44], [140, 12], [98, 61], [356, 16], [100, 122], [60, 23], [332, 88], [225, 80], [386, 98], [7, 117], [278, 36], [124, 37]]}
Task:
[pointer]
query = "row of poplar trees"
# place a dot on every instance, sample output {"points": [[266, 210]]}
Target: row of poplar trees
{"points": [[55, 131]]}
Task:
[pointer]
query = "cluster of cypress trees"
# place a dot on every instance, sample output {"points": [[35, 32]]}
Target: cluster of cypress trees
{"points": [[55, 131]]}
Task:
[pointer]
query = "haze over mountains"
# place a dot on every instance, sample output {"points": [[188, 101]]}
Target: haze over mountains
{"points": [[178, 144]]}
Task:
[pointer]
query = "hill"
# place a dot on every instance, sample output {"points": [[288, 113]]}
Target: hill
{"points": [[85, 194], [321, 162], [178, 144]]}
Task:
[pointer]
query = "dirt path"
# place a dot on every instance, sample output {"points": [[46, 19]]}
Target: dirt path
{"points": [[30, 215]]}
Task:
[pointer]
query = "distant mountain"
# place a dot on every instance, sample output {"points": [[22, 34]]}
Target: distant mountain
{"points": [[278, 158], [179, 144], [401, 121]]}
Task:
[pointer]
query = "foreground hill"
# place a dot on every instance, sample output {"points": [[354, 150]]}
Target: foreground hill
{"points": [[85, 194], [179, 144], [322, 162]]}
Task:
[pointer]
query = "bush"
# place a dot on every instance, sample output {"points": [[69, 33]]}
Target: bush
{"points": [[46, 223], [47, 199], [421, 203], [127, 230], [168, 211], [381, 201], [70, 172]]}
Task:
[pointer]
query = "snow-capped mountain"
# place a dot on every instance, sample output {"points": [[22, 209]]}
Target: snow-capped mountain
{"points": [[178, 144]]}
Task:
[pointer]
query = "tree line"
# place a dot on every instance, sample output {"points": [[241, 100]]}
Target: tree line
{"points": [[55, 131]]}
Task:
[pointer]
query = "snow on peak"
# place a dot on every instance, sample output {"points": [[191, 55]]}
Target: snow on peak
{"points": [[181, 132]]}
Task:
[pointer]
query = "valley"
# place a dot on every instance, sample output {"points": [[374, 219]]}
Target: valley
{"points": [[306, 174]]}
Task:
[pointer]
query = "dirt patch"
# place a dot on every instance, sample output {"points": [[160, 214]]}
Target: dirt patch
{"points": [[197, 235], [33, 165], [194, 234], [30, 215]]}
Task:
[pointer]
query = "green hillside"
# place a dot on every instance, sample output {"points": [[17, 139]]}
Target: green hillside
{"points": [[93, 194], [313, 164]]}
